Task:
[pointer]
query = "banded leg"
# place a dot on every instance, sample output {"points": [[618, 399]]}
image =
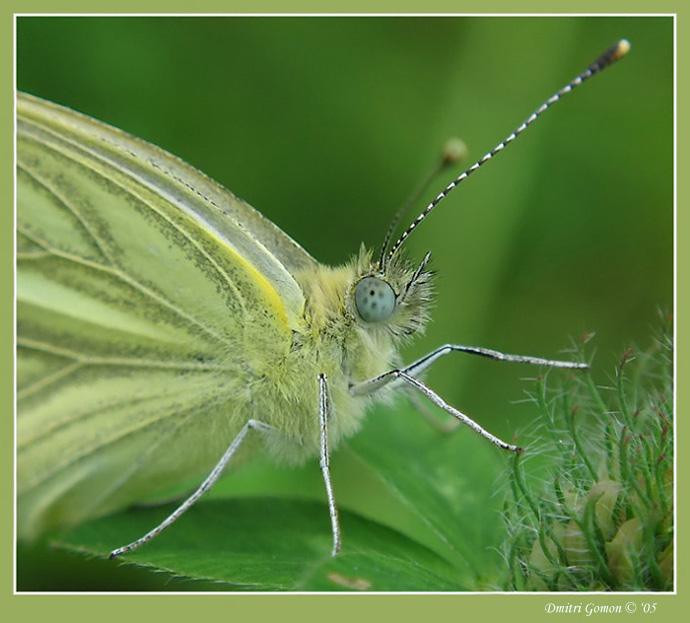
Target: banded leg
{"points": [[371, 385], [203, 487], [408, 375], [404, 377], [324, 415], [465, 419]]}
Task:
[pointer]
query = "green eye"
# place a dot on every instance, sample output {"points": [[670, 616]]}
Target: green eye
{"points": [[374, 299]]}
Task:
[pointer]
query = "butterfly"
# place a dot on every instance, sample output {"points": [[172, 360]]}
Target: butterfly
{"points": [[165, 327]]}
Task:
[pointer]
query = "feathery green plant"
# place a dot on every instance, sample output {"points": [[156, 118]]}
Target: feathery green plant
{"points": [[602, 519]]}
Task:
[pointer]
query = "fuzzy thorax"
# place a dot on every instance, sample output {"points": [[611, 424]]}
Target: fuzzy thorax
{"points": [[335, 340]]}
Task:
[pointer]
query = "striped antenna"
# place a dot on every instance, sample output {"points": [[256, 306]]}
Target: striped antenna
{"points": [[609, 57]]}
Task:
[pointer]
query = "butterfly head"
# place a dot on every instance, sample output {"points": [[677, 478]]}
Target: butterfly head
{"points": [[396, 298]]}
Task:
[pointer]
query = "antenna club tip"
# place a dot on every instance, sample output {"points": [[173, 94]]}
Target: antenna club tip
{"points": [[621, 49], [455, 150]]}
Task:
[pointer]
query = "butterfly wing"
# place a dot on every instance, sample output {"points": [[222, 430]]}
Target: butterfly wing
{"points": [[149, 299]]}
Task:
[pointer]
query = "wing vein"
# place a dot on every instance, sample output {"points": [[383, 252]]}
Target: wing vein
{"points": [[150, 187], [69, 207], [134, 466], [120, 361], [102, 442], [119, 274], [47, 380]]}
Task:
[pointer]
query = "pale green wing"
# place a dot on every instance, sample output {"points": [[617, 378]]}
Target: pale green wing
{"points": [[149, 302]]}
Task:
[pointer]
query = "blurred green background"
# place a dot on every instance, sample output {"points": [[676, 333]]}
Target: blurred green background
{"points": [[326, 125]]}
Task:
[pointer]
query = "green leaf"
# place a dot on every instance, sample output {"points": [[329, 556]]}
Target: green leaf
{"points": [[450, 481], [270, 544]]}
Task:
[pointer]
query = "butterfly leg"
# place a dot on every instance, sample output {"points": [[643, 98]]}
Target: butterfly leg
{"points": [[424, 362], [465, 419], [434, 355], [324, 415], [203, 487], [417, 367], [407, 375], [404, 377]]}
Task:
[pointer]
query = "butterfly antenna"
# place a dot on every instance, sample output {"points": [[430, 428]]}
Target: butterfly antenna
{"points": [[616, 51], [454, 151]]}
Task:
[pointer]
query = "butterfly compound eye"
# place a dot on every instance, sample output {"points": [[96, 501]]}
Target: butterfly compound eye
{"points": [[374, 299]]}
